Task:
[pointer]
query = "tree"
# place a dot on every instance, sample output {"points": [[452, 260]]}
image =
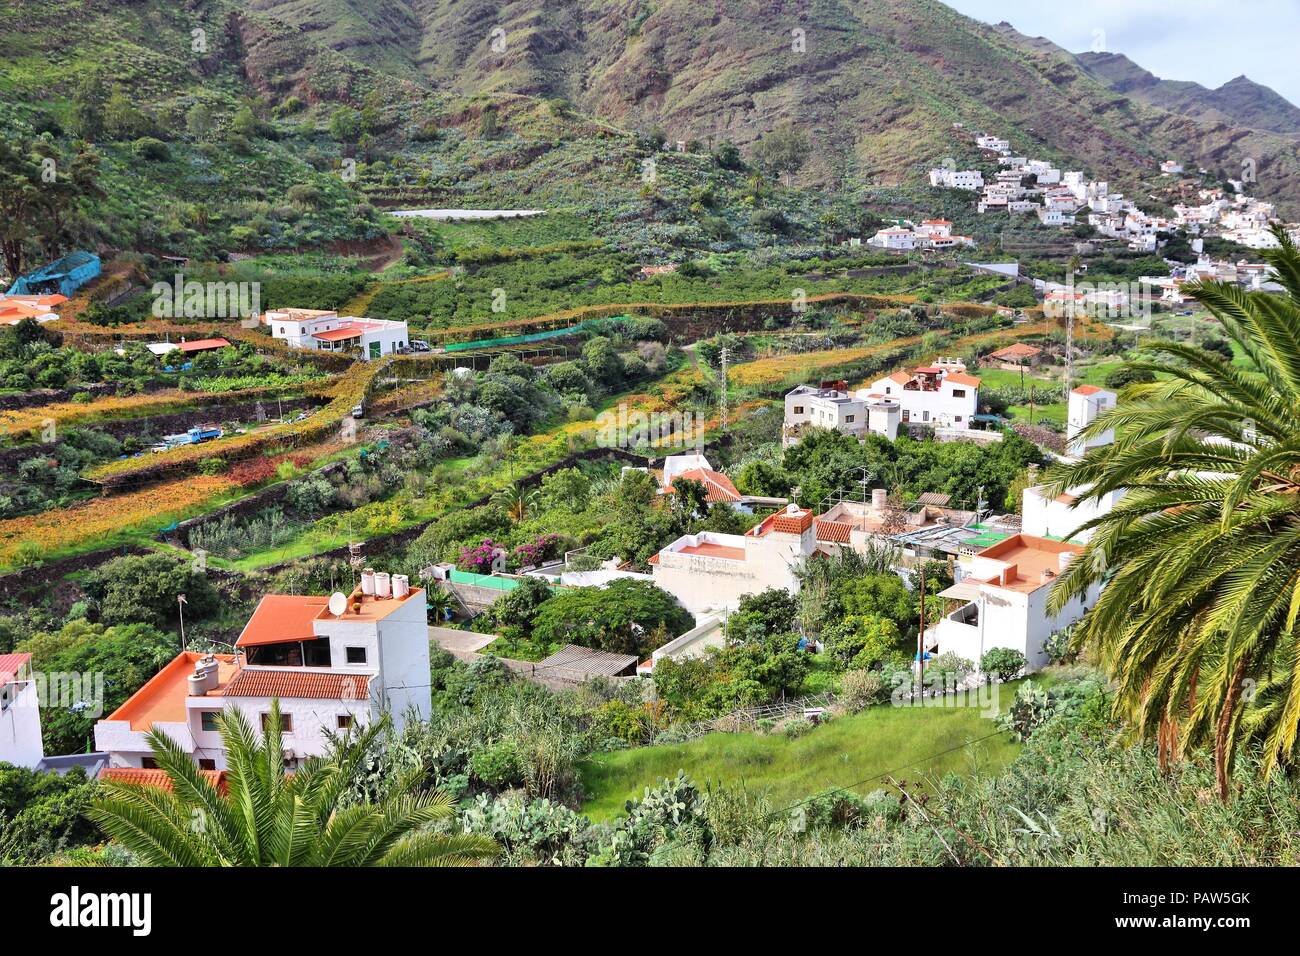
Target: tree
{"points": [[145, 588], [758, 615], [566, 488], [42, 194], [1198, 621], [1127, 375], [515, 610], [272, 818], [862, 641], [1006, 662], [627, 617], [782, 152], [88, 107], [125, 656], [517, 502], [884, 595]]}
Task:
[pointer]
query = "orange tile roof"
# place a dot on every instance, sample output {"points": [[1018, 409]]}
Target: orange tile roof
{"points": [[961, 378], [298, 685], [1017, 350], [717, 485], [901, 378], [1087, 390], [282, 617], [833, 531], [152, 777], [162, 698], [11, 665], [338, 335], [202, 345]]}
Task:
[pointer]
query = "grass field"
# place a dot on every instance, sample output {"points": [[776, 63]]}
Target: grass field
{"points": [[915, 744]]}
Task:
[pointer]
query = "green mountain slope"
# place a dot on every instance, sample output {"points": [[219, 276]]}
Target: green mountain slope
{"points": [[877, 83]]}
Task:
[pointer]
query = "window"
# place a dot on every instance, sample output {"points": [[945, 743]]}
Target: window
{"points": [[798, 409], [959, 393], [345, 722], [848, 418], [208, 720], [356, 655], [148, 763], [956, 418], [286, 723], [282, 330], [889, 389], [207, 763]]}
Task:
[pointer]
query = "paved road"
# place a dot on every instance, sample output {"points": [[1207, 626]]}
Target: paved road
{"points": [[462, 644]]}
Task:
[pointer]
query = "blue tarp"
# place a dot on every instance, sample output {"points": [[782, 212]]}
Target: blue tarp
{"points": [[64, 276]]}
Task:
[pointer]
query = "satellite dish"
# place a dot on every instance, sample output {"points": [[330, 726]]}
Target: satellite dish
{"points": [[338, 603]]}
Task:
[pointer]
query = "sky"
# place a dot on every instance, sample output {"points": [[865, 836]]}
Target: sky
{"points": [[1208, 41]]}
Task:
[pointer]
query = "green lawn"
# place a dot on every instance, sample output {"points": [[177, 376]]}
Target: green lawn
{"points": [[903, 741]]}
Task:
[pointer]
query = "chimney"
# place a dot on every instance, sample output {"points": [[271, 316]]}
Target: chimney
{"points": [[1046, 576], [1063, 560], [879, 497], [401, 586], [368, 582], [383, 586]]}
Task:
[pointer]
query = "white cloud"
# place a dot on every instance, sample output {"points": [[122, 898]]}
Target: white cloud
{"points": [[1207, 41]]}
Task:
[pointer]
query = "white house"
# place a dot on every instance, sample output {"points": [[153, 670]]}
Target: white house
{"points": [[969, 179], [1004, 589], [832, 406], [894, 237], [1170, 167], [825, 406], [330, 332], [710, 571], [20, 713], [1062, 516], [333, 663], [1086, 403], [941, 394]]}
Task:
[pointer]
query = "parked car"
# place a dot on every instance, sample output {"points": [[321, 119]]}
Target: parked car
{"points": [[359, 410], [419, 345]]}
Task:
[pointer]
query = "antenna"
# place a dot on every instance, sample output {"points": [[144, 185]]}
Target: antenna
{"points": [[338, 603]]}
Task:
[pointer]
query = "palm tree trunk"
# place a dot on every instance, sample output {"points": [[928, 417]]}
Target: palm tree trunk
{"points": [[1221, 767]]}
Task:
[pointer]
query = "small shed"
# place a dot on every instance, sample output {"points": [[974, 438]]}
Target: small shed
{"points": [[581, 663]]}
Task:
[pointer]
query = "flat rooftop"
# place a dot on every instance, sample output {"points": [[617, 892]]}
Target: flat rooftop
{"points": [[1031, 556], [162, 698]]}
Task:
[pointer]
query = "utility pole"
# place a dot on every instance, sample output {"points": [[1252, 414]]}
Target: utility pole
{"points": [[726, 354], [1069, 346], [180, 610], [920, 640]]}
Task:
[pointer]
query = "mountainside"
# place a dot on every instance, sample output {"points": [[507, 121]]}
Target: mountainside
{"points": [[876, 83], [1241, 102], [233, 126]]}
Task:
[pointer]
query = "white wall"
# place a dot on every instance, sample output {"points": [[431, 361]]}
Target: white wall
{"points": [[20, 726]]}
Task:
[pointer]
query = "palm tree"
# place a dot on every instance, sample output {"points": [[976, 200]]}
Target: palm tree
{"points": [[271, 818], [517, 501], [1197, 621]]}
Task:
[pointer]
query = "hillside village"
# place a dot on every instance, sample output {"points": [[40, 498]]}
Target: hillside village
{"points": [[434, 473]]}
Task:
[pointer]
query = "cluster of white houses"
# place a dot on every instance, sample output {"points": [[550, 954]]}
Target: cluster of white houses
{"points": [[906, 235], [1025, 186], [940, 395]]}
